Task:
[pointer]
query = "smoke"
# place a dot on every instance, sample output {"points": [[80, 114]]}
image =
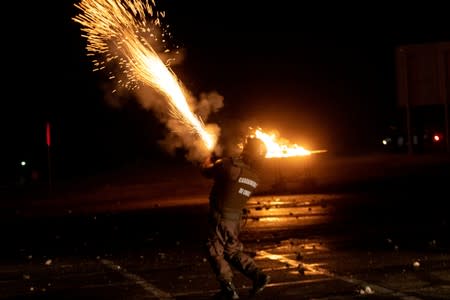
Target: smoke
{"points": [[153, 101], [180, 137], [127, 37]]}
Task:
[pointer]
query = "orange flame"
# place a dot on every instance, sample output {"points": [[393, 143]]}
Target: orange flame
{"points": [[119, 31], [277, 147]]}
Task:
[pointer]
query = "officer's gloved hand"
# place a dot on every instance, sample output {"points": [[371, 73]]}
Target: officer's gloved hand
{"points": [[207, 163], [214, 157]]}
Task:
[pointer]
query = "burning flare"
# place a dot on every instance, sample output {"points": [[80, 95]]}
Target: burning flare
{"points": [[118, 30], [277, 148]]}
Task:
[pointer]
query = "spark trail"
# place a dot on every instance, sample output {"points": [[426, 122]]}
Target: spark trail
{"points": [[127, 32], [278, 147]]}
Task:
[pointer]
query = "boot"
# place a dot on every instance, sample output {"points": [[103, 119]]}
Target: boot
{"points": [[259, 283], [228, 291]]}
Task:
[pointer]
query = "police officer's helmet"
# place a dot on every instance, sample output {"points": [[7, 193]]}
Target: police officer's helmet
{"points": [[254, 148]]}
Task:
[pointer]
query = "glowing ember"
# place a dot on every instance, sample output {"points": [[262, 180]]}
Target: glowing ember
{"points": [[279, 148], [119, 31]]}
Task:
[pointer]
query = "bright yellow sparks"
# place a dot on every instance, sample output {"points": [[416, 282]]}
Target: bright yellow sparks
{"points": [[119, 31], [278, 148]]}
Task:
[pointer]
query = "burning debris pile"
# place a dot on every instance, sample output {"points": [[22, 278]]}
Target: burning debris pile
{"points": [[279, 147]]}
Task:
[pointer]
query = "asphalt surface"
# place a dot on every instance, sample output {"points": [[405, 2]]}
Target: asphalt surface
{"points": [[387, 240]]}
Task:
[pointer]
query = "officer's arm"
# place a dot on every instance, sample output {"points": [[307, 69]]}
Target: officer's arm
{"points": [[210, 167]]}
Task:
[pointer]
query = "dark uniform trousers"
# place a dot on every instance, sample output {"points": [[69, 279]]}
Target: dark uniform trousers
{"points": [[225, 249]]}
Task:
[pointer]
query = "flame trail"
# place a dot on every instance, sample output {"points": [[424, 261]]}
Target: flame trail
{"points": [[278, 148], [119, 31]]}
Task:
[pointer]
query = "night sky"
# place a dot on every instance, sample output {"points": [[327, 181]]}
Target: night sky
{"points": [[323, 76]]}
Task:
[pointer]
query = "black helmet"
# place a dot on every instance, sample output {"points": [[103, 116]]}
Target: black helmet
{"points": [[254, 149]]}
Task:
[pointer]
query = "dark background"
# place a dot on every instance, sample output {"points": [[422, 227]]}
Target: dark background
{"points": [[323, 75]]}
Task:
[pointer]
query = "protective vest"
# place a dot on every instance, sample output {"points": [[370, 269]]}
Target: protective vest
{"points": [[234, 184]]}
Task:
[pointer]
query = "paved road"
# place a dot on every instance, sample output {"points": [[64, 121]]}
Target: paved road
{"points": [[371, 227], [377, 244]]}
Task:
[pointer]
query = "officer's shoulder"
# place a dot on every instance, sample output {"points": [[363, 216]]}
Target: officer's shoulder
{"points": [[227, 161], [238, 162]]}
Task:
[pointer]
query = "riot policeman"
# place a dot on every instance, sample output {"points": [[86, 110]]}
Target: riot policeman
{"points": [[235, 179]]}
